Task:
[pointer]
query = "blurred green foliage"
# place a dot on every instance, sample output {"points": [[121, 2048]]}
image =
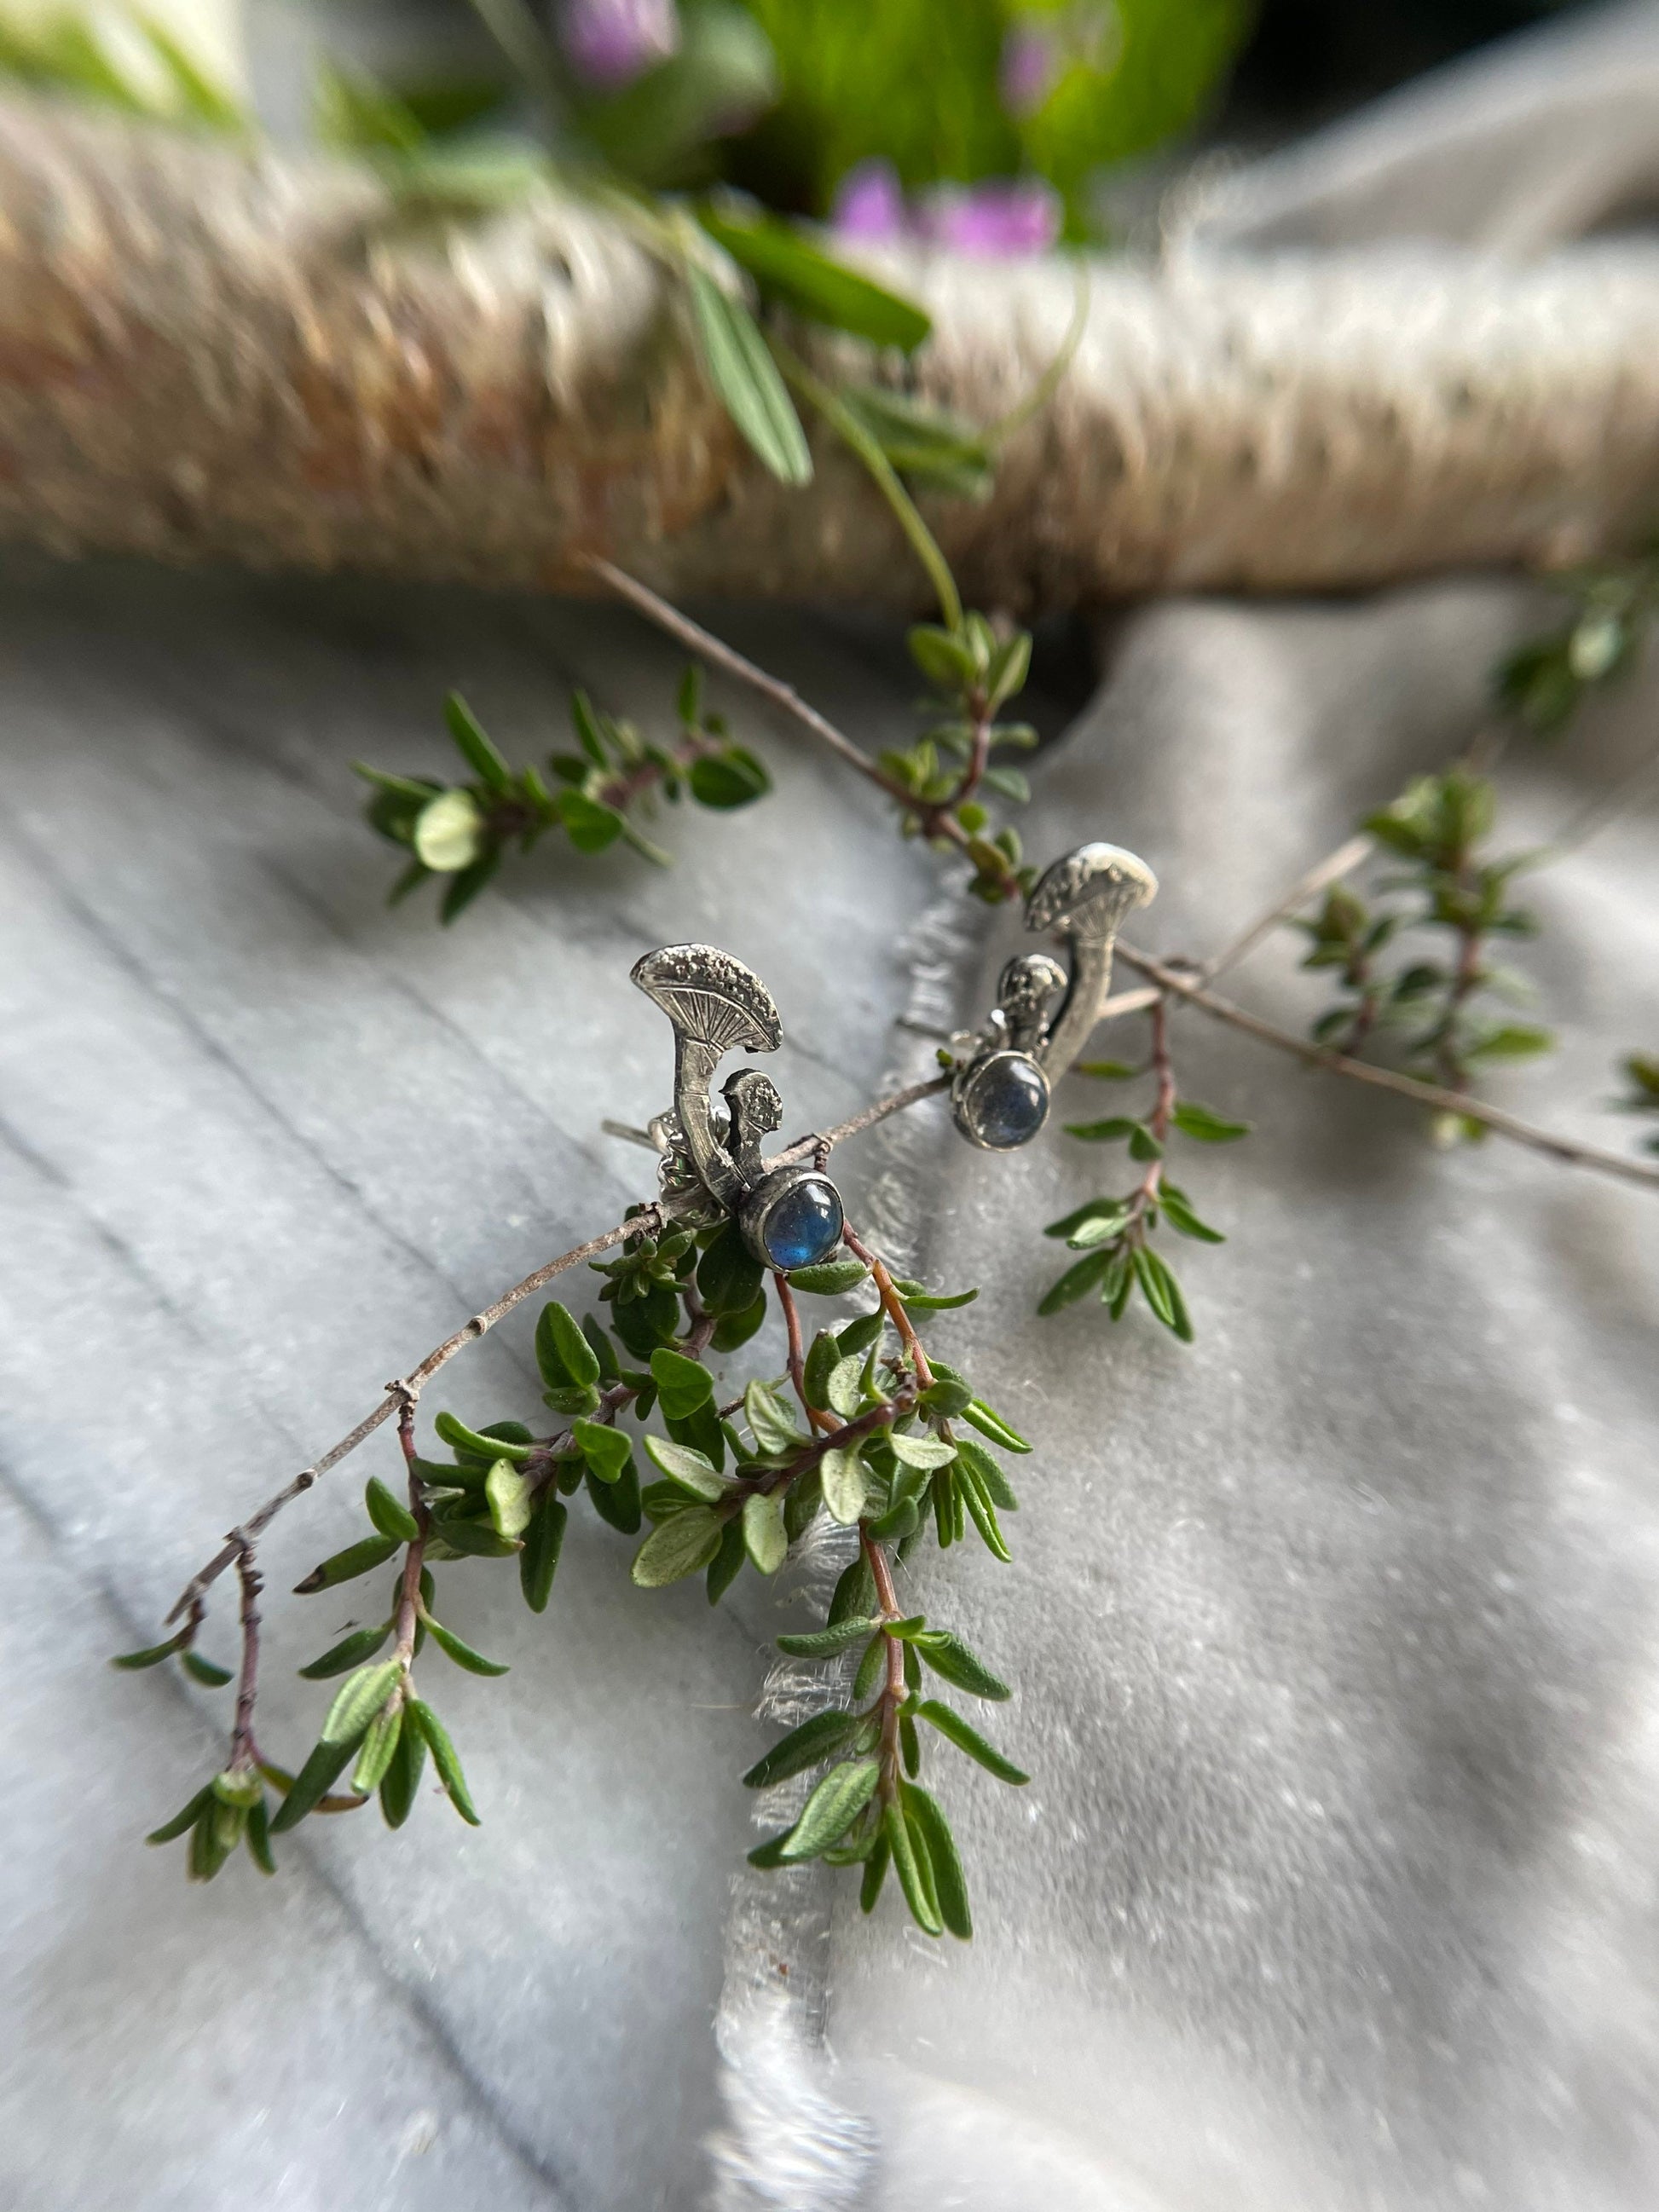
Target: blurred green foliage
{"points": [[920, 83]]}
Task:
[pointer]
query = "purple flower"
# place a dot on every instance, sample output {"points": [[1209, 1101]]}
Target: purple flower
{"points": [[610, 42], [870, 202], [1001, 216], [1030, 67]]}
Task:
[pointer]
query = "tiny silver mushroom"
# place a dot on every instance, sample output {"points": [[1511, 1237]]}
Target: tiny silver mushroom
{"points": [[792, 1217], [1083, 898], [716, 1005], [1000, 1099]]}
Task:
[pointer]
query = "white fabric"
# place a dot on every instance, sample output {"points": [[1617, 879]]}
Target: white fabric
{"points": [[1335, 1635]]}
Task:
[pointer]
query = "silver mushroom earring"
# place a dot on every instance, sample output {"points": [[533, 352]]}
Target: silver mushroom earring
{"points": [[790, 1217], [1000, 1095]]}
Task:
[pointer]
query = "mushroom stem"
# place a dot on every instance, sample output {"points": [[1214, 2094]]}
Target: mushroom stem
{"points": [[1091, 977], [694, 1062]]}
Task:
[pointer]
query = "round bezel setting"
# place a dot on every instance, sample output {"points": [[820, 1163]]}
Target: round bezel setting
{"points": [[793, 1218], [1001, 1101]]}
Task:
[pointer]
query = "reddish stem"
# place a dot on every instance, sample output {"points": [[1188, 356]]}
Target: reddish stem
{"points": [[816, 1417], [893, 1305], [244, 1750]]}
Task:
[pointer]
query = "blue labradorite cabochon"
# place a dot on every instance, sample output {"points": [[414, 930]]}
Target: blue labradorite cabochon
{"points": [[802, 1224], [1004, 1103]]}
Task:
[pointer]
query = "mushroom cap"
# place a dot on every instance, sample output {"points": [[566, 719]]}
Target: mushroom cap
{"points": [[1086, 893], [1029, 982], [711, 997]]}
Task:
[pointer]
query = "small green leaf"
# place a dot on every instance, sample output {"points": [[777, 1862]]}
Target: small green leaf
{"points": [[380, 1745], [727, 1563], [204, 1670], [1143, 1145], [859, 1335], [542, 1540], [991, 1424], [1162, 1292], [258, 1838], [617, 1503], [474, 1539], [901, 1843], [1195, 1120], [444, 1758], [448, 833], [463, 1655], [814, 1740], [950, 1885], [844, 1387], [390, 1516], [589, 824], [692, 1470], [763, 1532], [562, 1352], [402, 1778], [845, 1484], [770, 1420], [745, 377], [875, 1873], [511, 1499], [606, 1450], [832, 1808], [922, 1451], [1107, 1071], [357, 1700], [683, 1384], [982, 1511], [824, 1642], [1178, 1213], [183, 1818], [152, 1656], [872, 1665], [457, 1435], [357, 1558], [314, 1781], [1113, 1130], [953, 1726], [474, 747], [947, 1655], [351, 1652], [989, 1476], [920, 1299], [729, 1276], [680, 1546], [815, 284], [822, 1356], [829, 1278], [1099, 1217], [1517, 1040], [734, 1330], [730, 778]]}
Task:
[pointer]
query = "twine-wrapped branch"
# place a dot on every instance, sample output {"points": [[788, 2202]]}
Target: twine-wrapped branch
{"points": [[208, 353]]}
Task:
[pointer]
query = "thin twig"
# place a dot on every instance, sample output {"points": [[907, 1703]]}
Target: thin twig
{"points": [[711, 648], [405, 1390], [1385, 1078], [1342, 862], [816, 1417], [893, 1305], [403, 1393], [939, 822], [244, 1750]]}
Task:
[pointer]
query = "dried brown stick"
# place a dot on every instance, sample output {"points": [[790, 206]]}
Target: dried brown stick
{"points": [[213, 352]]}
